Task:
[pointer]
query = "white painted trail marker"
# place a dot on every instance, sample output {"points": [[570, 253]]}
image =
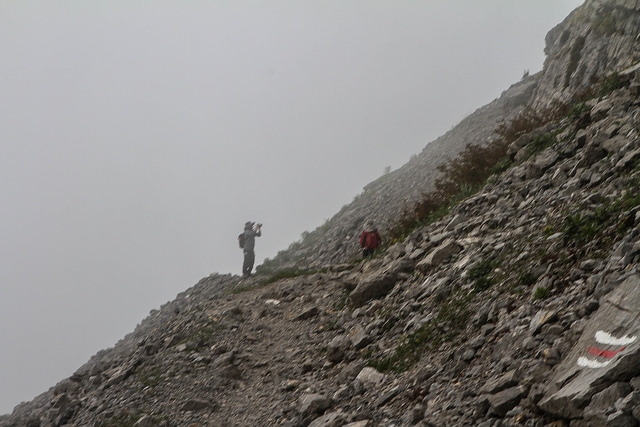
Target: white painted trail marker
{"points": [[605, 355]]}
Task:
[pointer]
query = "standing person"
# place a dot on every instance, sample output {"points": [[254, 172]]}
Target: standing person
{"points": [[369, 239], [251, 231]]}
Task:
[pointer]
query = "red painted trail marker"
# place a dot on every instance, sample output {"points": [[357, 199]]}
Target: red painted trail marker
{"points": [[604, 338]]}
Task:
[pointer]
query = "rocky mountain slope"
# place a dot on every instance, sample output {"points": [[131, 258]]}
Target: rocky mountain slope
{"points": [[517, 308], [595, 40], [388, 197]]}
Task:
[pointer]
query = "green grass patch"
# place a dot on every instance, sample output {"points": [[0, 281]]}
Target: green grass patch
{"points": [[150, 377], [526, 278], [288, 273], [610, 83], [501, 166], [577, 110], [264, 278], [451, 320], [599, 227], [539, 144], [240, 289], [541, 292], [583, 227], [542, 142], [481, 274], [202, 337]]}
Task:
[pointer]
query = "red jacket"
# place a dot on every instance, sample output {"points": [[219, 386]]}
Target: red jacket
{"points": [[370, 239]]}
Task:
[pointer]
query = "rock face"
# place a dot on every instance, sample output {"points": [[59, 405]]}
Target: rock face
{"points": [[595, 40], [518, 308]]}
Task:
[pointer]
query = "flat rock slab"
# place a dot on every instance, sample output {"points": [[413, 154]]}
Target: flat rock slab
{"points": [[373, 287], [505, 400], [439, 255], [313, 403], [608, 349]]}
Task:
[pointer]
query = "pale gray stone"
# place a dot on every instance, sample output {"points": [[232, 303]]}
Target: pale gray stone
{"points": [[439, 255], [332, 419], [372, 287], [337, 348], [506, 400], [500, 383], [370, 377], [313, 404]]}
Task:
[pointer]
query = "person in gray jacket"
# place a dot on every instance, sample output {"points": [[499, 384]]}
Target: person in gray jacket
{"points": [[251, 231]]}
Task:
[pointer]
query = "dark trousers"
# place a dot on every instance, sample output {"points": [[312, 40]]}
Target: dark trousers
{"points": [[247, 265], [367, 252]]}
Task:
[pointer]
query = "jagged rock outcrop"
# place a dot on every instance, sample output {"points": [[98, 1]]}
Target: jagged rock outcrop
{"points": [[598, 39], [519, 308]]}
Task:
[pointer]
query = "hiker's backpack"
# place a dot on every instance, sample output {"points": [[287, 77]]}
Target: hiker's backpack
{"points": [[241, 240]]}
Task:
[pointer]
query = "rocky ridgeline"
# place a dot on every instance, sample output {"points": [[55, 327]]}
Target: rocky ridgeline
{"points": [[387, 198], [594, 41], [518, 308]]}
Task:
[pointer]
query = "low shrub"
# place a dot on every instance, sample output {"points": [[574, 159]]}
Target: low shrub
{"points": [[202, 337], [526, 279], [461, 177], [446, 326], [541, 292], [287, 273], [150, 377], [481, 274]]}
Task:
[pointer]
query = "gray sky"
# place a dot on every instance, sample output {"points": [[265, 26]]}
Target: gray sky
{"points": [[136, 138]]}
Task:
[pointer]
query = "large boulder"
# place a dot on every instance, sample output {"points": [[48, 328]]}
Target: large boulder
{"points": [[374, 286], [439, 255], [312, 403], [608, 350], [380, 282]]}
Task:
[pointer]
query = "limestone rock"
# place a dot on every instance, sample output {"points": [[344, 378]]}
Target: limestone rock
{"points": [[439, 255], [313, 404], [608, 349], [360, 338], [337, 348], [505, 400], [372, 287], [598, 408], [495, 385], [500, 354], [370, 377]]}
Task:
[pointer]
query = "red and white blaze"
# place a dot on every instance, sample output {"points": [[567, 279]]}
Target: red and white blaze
{"points": [[606, 349]]}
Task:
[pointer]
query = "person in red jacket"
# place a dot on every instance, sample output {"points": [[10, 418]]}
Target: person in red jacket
{"points": [[369, 239]]}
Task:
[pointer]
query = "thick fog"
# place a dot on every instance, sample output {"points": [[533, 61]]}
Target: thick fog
{"points": [[136, 138]]}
